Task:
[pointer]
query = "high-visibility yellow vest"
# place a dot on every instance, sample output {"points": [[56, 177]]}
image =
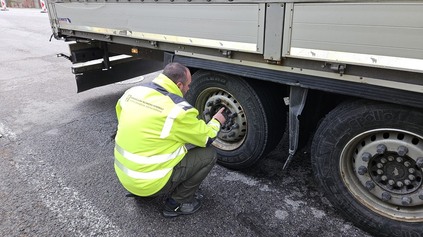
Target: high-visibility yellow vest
{"points": [[154, 124]]}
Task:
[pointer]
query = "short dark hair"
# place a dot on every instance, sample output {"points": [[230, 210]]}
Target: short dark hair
{"points": [[176, 72]]}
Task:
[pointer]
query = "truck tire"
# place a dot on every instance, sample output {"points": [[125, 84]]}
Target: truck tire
{"points": [[256, 126], [368, 157]]}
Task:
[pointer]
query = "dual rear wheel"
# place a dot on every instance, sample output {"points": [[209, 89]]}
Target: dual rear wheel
{"points": [[254, 128], [368, 157]]}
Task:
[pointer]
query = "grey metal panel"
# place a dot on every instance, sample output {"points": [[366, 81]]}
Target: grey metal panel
{"points": [[274, 31], [388, 29], [286, 40], [237, 23]]}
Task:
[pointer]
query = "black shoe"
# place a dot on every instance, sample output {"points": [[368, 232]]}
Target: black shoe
{"points": [[174, 209]]}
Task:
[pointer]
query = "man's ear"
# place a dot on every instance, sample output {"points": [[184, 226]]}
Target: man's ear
{"points": [[180, 85]]}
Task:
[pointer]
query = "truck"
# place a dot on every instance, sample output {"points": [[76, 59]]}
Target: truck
{"points": [[343, 77]]}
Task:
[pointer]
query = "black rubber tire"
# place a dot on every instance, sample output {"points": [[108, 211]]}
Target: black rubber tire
{"points": [[266, 122], [336, 130]]}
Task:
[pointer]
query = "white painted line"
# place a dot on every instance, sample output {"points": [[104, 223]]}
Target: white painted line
{"points": [[70, 207], [7, 133]]}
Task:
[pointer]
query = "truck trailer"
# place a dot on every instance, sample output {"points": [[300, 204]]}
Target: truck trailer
{"points": [[344, 77]]}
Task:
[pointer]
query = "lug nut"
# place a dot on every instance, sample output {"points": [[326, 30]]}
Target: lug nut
{"points": [[370, 185], [391, 158], [406, 201], [206, 112], [421, 196], [399, 159], [402, 150], [386, 196], [362, 170], [384, 178], [366, 156], [379, 172], [210, 103], [379, 165], [411, 170], [419, 162], [407, 182], [383, 160], [218, 101], [412, 177], [235, 126], [407, 164], [391, 182], [233, 115], [400, 184], [381, 148], [231, 134]]}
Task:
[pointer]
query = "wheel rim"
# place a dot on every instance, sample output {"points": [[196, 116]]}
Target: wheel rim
{"points": [[382, 168], [233, 133]]}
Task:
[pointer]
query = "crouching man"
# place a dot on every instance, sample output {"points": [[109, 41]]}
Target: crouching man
{"points": [[155, 127]]}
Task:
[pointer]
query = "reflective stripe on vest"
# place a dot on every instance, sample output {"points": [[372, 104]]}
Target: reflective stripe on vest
{"points": [[149, 159], [171, 117], [180, 105], [157, 174]]}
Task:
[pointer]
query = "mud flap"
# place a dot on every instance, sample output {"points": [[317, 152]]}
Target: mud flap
{"points": [[93, 75]]}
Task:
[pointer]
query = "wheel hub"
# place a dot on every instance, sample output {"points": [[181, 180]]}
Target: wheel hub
{"points": [[396, 174], [235, 128], [388, 165]]}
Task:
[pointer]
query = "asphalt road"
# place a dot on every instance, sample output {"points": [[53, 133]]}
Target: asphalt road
{"points": [[56, 168]]}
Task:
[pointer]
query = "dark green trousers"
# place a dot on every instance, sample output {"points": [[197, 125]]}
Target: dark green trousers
{"points": [[189, 174]]}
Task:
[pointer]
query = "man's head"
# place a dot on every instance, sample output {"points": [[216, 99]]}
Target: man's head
{"points": [[179, 74]]}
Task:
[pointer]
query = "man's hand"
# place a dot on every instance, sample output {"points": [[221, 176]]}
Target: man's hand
{"points": [[219, 116]]}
